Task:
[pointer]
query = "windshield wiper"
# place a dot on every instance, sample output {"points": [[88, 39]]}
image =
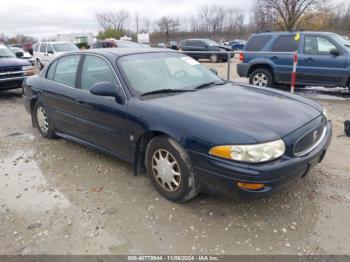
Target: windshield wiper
{"points": [[162, 91], [204, 85]]}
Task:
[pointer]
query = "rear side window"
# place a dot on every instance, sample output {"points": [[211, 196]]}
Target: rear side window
{"points": [[257, 42], [43, 47], [36, 48], [51, 72], [285, 43], [66, 70]]}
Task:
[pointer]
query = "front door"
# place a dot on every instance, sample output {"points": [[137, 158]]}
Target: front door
{"points": [[316, 65], [102, 120]]}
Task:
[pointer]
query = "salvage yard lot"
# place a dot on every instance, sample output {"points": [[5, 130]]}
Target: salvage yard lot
{"points": [[58, 197]]}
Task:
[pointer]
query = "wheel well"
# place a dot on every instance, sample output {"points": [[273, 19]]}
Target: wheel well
{"points": [[256, 66], [32, 104], [140, 151]]}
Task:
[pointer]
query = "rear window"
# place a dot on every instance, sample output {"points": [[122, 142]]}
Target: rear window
{"points": [[257, 42], [285, 43]]}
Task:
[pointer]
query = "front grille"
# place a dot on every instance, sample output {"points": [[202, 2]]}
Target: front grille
{"points": [[10, 72], [308, 142]]}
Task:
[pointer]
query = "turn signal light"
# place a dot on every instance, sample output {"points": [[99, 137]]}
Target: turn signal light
{"points": [[250, 186]]}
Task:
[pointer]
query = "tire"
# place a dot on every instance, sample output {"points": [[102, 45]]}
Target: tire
{"points": [[42, 121], [214, 58], [165, 154], [261, 77]]}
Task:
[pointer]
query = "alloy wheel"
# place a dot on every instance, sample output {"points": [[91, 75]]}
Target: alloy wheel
{"points": [[260, 79], [166, 170], [43, 121]]}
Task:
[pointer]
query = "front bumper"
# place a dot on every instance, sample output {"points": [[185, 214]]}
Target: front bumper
{"points": [[11, 83], [219, 176]]}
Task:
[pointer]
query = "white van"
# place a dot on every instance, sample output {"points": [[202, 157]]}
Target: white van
{"points": [[44, 52]]}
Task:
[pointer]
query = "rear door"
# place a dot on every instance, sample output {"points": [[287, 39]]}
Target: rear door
{"points": [[102, 120], [282, 58], [316, 65], [59, 95]]}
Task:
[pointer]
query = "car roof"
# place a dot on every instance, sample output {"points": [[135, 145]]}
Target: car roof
{"points": [[117, 52], [293, 32]]}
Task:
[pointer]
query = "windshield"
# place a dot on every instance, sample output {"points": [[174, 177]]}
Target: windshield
{"points": [[155, 71], [127, 44], [6, 52], [65, 47], [342, 41], [211, 42]]}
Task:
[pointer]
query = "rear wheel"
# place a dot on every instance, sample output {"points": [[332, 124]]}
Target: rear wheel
{"points": [[170, 170], [42, 121], [214, 58], [261, 77]]}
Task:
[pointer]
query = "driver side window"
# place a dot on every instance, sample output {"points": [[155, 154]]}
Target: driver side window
{"points": [[96, 70], [318, 45]]}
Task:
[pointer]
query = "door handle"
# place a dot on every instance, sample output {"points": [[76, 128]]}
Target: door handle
{"points": [[309, 59], [274, 57]]}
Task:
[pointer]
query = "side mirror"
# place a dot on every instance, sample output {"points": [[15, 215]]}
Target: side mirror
{"points": [[214, 71], [108, 89], [334, 52], [19, 54]]}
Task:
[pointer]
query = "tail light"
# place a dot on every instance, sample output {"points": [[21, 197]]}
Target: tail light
{"points": [[241, 57]]}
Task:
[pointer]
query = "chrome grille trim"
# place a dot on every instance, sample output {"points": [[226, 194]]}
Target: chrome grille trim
{"points": [[308, 150]]}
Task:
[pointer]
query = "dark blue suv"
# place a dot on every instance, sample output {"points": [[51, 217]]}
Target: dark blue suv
{"points": [[324, 59], [13, 70]]}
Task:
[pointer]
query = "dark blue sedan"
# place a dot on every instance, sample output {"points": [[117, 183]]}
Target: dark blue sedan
{"points": [[168, 114]]}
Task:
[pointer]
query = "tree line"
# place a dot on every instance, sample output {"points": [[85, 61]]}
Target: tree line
{"points": [[219, 23]]}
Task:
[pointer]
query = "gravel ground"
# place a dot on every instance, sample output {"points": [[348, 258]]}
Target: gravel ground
{"points": [[57, 197]]}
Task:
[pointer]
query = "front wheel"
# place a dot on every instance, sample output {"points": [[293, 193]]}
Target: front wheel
{"points": [[261, 77], [170, 170]]}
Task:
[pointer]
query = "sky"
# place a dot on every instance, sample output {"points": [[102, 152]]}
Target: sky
{"points": [[46, 18]]}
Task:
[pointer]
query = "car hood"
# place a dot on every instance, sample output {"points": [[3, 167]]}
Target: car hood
{"points": [[11, 62], [259, 113]]}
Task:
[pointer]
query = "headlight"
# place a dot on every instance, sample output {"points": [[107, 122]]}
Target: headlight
{"points": [[28, 70], [324, 112], [251, 153]]}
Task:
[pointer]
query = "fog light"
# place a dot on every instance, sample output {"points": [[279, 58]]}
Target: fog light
{"points": [[250, 186]]}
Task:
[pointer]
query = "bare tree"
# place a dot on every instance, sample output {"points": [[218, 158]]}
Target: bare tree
{"points": [[103, 20], [167, 25], [113, 20], [289, 14], [146, 25]]}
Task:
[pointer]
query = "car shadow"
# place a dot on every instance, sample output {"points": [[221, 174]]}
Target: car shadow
{"points": [[10, 94]]}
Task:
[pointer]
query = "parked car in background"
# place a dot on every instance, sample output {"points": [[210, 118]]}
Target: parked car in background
{"points": [[12, 69], [44, 52], [173, 45], [323, 59], [220, 142], [161, 45], [26, 55], [237, 44], [112, 43], [27, 46], [205, 46]]}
